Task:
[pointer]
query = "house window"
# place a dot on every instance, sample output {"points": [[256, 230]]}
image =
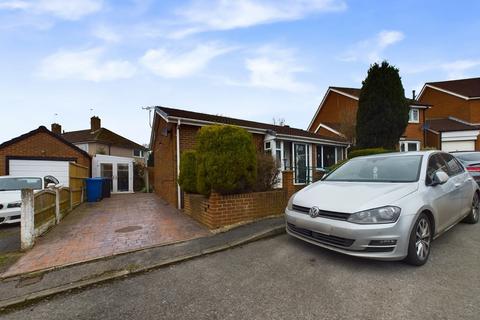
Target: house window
{"points": [[406, 146], [301, 160], [327, 155], [414, 116], [138, 153]]}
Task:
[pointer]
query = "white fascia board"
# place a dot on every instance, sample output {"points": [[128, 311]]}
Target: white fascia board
{"points": [[460, 135]]}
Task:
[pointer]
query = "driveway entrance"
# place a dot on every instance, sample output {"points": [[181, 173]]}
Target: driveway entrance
{"points": [[115, 225]]}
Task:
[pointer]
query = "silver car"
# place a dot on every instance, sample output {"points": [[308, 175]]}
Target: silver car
{"points": [[387, 207]]}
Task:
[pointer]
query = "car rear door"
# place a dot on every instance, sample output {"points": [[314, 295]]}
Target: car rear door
{"points": [[444, 198], [462, 182]]}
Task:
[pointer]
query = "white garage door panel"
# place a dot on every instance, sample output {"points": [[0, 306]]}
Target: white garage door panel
{"points": [[450, 146], [40, 168]]}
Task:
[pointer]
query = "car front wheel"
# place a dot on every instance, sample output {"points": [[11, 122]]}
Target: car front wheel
{"points": [[420, 241]]}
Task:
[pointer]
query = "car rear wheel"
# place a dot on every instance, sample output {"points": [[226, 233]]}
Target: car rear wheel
{"points": [[475, 212], [420, 241]]}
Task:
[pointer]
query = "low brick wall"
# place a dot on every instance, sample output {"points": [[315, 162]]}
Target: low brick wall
{"points": [[222, 210]]}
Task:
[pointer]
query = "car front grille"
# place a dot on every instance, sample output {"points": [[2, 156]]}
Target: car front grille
{"points": [[323, 213], [320, 237]]}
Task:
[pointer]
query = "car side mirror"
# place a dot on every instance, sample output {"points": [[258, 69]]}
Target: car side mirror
{"points": [[440, 177]]}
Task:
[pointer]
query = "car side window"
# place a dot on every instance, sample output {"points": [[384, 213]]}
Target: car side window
{"points": [[453, 166], [435, 163], [50, 179]]}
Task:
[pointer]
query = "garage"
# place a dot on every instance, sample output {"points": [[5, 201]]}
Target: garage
{"points": [[450, 146], [40, 168]]}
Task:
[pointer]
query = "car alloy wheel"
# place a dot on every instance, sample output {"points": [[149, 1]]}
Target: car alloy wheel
{"points": [[422, 239], [475, 207]]}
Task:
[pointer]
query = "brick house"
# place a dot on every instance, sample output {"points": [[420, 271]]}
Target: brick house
{"points": [[337, 113], [99, 140], [174, 131], [39, 147], [453, 121]]}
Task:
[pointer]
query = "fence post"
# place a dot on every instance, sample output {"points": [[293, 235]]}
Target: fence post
{"points": [[27, 226], [57, 205]]}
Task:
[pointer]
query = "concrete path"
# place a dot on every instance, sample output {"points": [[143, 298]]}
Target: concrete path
{"points": [[114, 225], [285, 278]]}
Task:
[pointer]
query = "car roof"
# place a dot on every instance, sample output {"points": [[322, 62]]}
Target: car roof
{"points": [[401, 154], [9, 177]]}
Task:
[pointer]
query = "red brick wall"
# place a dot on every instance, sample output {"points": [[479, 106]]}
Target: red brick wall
{"points": [[223, 210], [414, 131], [432, 140], [41, 144]]}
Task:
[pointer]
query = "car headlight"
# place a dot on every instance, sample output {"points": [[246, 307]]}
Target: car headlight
{"points": [[290, 203], [14, 205], [387, 214]]}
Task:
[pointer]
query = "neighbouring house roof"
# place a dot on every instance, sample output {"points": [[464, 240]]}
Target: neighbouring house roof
{"points": [[449, 124], [354, 93], [466, 88], [203, 118], [103, 136], [42, 129]]}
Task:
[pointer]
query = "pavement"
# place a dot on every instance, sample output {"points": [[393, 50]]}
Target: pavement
{"points": [[115, 225], [285, 278]]}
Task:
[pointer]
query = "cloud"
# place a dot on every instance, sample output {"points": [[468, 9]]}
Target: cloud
{"points": [[459, 68], [175, 64], [84, 65], [64, 9], [276, 68], [106, 34], [371, 50], [210, 15]]}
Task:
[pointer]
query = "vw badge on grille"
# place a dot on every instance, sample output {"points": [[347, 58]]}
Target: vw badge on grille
{"points": [[314, 212]]}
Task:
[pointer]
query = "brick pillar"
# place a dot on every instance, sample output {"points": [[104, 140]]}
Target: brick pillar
{"points": [[287, 178]]}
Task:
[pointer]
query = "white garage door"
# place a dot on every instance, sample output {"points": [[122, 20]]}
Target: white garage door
{"points": [[450, 146], [40, 168]]}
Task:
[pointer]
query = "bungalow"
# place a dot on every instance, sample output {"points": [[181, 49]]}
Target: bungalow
{"points": [[174, 131], [337, 113], [453, 121]]}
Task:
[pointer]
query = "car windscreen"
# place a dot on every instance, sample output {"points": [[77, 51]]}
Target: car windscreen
{"points": [[379, 169], [468, 156]]}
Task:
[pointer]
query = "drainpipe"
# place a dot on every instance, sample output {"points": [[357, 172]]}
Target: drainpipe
{"points": [[179, 198]]}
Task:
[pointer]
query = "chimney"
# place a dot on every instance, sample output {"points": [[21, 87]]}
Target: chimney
{"points": [[56, 128], [413, 94], [95, 123]]}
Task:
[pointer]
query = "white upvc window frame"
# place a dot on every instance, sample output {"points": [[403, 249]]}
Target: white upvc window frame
{"points": [[142, 153], [411, 117], [406, 142], [308, 150]]}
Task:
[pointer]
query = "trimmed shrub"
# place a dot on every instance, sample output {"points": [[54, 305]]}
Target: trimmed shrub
{"points": [[226, 160], [139, 171], [188, 171], [267, 172], [367, 152]]}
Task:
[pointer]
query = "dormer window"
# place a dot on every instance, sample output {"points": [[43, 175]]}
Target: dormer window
{"points": [[414, 116]]}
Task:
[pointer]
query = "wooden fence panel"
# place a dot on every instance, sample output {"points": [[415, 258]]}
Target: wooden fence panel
{"points": [[78, 174], [64, 201], [44, 209]]}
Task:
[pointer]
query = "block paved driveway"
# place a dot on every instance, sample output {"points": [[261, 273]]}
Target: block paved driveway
{"points": [[114, 225]]}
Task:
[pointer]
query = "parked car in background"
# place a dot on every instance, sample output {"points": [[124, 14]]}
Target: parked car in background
{"points": [[388, 206], [471, 162], [10, 200]]}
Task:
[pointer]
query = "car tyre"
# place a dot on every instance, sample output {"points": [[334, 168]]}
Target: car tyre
{"points": [[473, 217], [420, 241]]}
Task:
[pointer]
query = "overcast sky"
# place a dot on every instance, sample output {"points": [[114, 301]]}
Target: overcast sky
{"points": [[253, 59]]}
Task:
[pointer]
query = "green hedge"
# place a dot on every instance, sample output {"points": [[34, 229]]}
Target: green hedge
{"points": [[188, 171], [226, 160], [367, 152]]}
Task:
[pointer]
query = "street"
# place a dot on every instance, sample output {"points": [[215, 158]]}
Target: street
{"points": [[284, 278]]}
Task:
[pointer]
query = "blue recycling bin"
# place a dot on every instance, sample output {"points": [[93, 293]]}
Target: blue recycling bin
{"points": [[94, 189]]}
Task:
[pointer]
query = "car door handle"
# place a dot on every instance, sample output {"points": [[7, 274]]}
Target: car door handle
{"points": [[457, 185], [468, 179]]}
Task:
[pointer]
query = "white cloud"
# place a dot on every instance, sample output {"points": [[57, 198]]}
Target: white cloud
{"points": [[275, 68], [208, 15], [174, 64], [371, 50], [84, 65], [64, 9], [106, 34], [459, 68]]}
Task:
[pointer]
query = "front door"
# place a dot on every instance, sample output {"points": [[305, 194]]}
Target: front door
{"points": [[122, 177], [301, 160]]}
